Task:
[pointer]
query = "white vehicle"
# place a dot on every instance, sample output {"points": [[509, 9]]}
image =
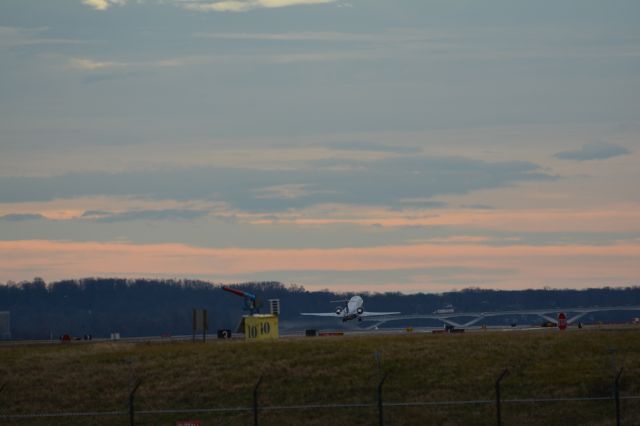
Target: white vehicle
{"points": [[446, 310], [353, 309]]}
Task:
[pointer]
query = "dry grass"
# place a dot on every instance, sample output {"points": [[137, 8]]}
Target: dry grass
{"points": [[422, 367]]}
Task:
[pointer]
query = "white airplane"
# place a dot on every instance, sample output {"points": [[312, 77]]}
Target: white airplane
{"points": [[353, 309]]}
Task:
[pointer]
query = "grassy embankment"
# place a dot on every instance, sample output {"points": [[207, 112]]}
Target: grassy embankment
{"points": [[80, 377]]}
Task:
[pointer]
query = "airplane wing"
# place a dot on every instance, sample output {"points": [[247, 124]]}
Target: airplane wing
{"points": [[322, 314], [377, 314]]}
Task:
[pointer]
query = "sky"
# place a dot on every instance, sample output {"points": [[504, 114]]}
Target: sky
{"points": [[351, 145]]}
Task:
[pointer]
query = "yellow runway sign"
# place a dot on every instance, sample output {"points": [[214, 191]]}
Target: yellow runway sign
{"points": [[261, 327]]}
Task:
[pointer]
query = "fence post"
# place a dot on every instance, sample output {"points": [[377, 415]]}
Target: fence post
{"points": [[376, 355], [255, 401], [498, 414], [380, 410], [616, 393], [612, 352], [131, 394], [1, 389]]}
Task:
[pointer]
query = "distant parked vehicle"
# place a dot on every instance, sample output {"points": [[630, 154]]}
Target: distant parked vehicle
{"points": [[446, 310]]}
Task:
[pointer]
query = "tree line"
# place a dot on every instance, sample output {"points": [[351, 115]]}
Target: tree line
{"points": [[148, 307]]}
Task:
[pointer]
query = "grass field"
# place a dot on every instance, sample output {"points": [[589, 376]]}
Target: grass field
{"points": [[80, 377]]}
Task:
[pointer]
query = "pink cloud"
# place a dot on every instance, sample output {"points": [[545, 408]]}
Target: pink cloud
{"points": [[618, 218], [531, 266]]}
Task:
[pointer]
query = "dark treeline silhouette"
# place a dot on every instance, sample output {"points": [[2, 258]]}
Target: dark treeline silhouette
{"points": [[147, 307]]}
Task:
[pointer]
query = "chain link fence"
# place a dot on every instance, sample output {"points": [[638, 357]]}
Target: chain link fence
{"points": [[376, 411]]}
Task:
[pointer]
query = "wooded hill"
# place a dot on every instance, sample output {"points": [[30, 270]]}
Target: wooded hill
{"points": [[147, 307]]}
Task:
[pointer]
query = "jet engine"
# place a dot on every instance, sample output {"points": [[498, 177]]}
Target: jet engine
{"points": [[338, 310], [360, 311]]}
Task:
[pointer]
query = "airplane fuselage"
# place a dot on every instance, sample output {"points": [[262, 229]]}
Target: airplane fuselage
{"points": [[352, 310]]}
